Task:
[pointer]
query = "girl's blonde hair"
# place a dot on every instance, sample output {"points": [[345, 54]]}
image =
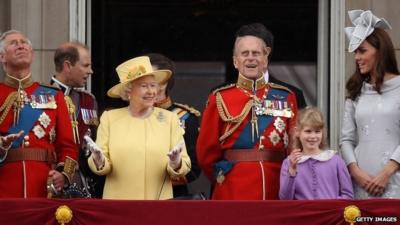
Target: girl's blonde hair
{"points": [[310, 116]]}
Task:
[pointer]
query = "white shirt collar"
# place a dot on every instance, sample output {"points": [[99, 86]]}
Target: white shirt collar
{"points": [[323, 156], [63, 86], [266, 76]]}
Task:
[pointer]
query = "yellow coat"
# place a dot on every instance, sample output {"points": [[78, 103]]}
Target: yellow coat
{"points": [[136, 150]]}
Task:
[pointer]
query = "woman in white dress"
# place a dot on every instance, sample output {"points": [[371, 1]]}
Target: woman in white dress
{"points": [[370, 138]]}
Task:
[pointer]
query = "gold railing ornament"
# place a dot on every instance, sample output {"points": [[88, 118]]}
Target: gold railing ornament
{"points": [[351, 213], [63, 214]]}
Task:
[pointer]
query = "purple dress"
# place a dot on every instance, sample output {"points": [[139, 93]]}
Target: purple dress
{"points": [[322, 176]]}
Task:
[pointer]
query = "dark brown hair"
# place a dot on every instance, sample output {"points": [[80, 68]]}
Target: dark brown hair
{"points": [[163, 63], [385, 63]]}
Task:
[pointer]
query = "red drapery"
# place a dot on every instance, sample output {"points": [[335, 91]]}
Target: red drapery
{"points": [[95, 212]]}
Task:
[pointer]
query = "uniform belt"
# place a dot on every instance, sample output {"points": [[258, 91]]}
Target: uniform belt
{"points": [[254, 155], [35, 154]]}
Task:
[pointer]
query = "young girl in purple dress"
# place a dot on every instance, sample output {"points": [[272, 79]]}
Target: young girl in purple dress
{"points": [[310, 172]]}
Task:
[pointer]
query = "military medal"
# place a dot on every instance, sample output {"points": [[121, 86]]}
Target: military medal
{"points": [[51, 102], [93, 117], [33, 102], [274, 137], [279, 124], [278, 108], [86, 116], [43, 101], [259, 109], [38, 131], [44, 120], [89, 116]]}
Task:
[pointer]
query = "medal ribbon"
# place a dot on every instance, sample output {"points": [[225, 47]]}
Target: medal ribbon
{"points": [[244, 140], [28, 117]]}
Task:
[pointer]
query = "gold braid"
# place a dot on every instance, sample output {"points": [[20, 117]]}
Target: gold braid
{"points": [[227, 117], [8, 103], [70, 105], [72, 110]]}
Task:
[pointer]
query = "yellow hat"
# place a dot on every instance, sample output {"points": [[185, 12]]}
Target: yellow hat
{"points": [[133, 69]]}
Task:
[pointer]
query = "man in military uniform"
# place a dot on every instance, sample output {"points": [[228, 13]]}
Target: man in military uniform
{"points": [[73, 67], [245, 129], [259, 30], [189, 118], [34, 120]]}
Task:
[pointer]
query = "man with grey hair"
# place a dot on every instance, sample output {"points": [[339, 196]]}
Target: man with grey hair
{"points": [[34, 119], [245, 129]]}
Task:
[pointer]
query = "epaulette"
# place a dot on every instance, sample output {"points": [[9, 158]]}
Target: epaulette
{"points": [[50, 86], [84, 91], [188, 108], [273, 85], [224, 87]]}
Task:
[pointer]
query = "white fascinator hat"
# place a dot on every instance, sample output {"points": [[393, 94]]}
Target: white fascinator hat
{"points": [[364, 24]]}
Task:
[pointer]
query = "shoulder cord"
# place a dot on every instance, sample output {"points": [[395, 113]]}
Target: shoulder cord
{"points": [[74, 122], [227, 117], [5, 108]]}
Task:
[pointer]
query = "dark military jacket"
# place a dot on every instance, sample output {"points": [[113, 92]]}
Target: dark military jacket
{"points": [[84, 120], [189, 119]]}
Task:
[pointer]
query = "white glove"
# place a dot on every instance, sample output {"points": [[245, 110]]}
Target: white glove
{"points": [[96, 151], [6, 141], [175, 157]]}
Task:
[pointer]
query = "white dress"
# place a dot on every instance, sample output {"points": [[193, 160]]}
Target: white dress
{"points": [[371, 133]]}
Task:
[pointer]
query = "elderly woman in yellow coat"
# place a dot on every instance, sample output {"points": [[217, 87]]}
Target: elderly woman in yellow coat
{"points": [[140, 148]]}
